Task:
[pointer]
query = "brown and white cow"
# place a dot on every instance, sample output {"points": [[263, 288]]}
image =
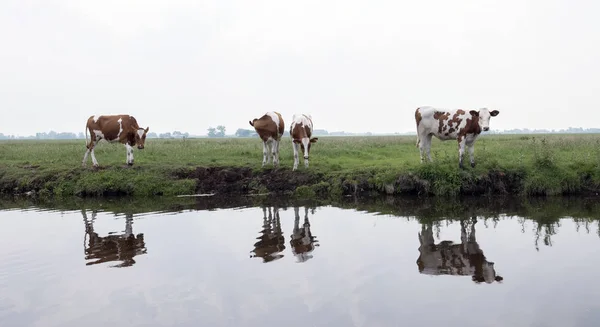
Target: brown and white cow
{"points": [[123, 129], [302, 242], [447, 258], [270, 128], [301, 132], [461, 125], [271, 242], [113, 247]]}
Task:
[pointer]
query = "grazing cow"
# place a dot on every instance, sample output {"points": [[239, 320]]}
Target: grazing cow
{"points": [[114, 128], [271, 242], [301, 132], [270, 128], [302, 240], [109, 248], [463, 126], [462, 259]]}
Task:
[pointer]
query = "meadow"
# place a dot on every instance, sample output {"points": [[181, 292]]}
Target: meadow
{"points": [[506, 164]]}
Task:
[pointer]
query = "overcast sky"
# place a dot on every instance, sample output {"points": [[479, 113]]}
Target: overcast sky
{"points": [[355, 66]]}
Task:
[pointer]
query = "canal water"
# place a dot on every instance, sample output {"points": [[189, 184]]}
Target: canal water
{"points": [[250, 262]]}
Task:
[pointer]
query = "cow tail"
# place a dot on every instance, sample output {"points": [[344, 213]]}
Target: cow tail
{"points": [[86, 136]]}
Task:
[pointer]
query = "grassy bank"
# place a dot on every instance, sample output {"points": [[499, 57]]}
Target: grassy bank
{"points": [[516, 164]]}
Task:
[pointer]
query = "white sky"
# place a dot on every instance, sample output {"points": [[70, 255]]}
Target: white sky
{"points": [[355, 66]]}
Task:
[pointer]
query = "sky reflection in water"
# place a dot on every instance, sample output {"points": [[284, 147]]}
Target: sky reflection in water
{"points": [[294, 266]]}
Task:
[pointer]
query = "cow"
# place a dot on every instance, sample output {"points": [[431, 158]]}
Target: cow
{"points": [[461, 125], [447, 258], [302, 240], [270, 128], [116, 247], [271, 242], [123, 129], [301, 133]]}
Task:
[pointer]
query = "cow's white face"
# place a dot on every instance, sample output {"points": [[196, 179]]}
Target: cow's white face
{"points": [[484, 118]]}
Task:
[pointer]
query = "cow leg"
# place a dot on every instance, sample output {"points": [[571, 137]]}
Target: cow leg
{"points": [[428, 147], [461, 151], [93, 147], [264, 162], [472, 153], [275, 153], [88, 150], [295, 146], [129, 154], [85, 157], [305, 142]]}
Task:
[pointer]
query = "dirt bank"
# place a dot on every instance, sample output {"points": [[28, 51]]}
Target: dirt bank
{"points": [[307, 183]]}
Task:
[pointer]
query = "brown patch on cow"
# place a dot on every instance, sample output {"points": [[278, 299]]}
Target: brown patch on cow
{"points": [[418, 116], [441, 117], [451, 130], [265, 127], [472, 126], [125, 132]]}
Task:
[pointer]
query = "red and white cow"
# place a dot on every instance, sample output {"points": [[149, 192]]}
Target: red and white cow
{"points": [[123, 129], [463, 126], [301, 132], [270, 128]]}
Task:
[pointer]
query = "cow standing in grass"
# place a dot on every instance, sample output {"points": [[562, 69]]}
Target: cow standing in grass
{"points": [[123, 129], [463, 126], [301, 132], [270, 128]]}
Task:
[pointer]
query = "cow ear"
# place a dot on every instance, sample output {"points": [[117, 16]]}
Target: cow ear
{"points": [[314, 139], [474, 113], [147, 129], [494, 113], [134, 129], [296, 141]]}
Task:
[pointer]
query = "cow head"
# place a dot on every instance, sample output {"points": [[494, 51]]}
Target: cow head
{"points": [[487, 275], [484, 116], [140, 136], [305, 145]]}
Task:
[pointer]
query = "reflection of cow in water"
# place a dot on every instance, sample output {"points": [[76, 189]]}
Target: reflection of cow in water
{"points": [[271, 242], [447, 258], [302, 240], [108, 248]]}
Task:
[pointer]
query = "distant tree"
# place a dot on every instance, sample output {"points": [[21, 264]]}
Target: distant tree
{"points": [[212, 132], [243, 132], [221, 130]]}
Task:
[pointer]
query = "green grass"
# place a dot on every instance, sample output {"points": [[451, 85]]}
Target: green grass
{"points": [[525, 164]]}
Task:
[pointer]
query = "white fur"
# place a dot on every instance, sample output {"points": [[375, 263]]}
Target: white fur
{"points": [[271, 152], [275, 119], [96, 117], [120, 121], [140, 132], [129, 149], [99, 134], [94, 161]]}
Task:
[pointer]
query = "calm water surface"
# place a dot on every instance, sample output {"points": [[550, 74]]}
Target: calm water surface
{"points": [[298, 264]]}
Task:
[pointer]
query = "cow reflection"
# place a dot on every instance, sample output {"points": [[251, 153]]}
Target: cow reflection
{"points": [[271, 242], [122, 247], [448, 258], [302, 241]]}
